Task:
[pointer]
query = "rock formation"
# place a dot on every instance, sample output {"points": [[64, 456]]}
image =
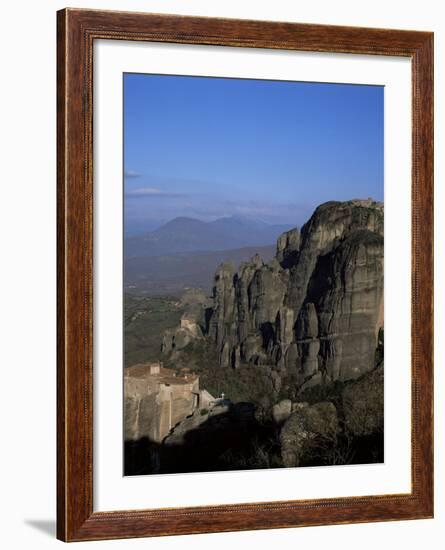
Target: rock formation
{"points": [[190, 329], [362, 403], [281, 411], [314, 310], [310, 430]]}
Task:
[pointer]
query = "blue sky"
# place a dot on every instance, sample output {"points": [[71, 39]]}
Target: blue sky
{"points": [[213, 147]]}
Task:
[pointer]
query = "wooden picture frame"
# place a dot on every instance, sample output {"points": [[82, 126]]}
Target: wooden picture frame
{"points": [[77, 31]]}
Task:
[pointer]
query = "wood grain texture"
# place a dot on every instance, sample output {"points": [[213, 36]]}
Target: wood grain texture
{"points": [[76, 31]]}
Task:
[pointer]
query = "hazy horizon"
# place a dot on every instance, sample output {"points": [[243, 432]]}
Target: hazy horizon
{"points": [[209, 148], [154, 225]]}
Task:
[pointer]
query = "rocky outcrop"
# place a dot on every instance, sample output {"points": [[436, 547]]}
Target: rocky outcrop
{"points": [[281, 411], [316, 308], [288, 246], [191, 328], [362, 402], [309, 431]]}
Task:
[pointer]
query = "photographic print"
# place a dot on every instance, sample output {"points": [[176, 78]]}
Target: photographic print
{"points": [[253, 274]]}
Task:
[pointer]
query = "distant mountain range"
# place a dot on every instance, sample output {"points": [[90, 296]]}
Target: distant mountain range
{"points": [[136, 228], [182, 235]]}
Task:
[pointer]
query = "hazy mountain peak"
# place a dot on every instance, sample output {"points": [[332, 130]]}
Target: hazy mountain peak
{"points": [[186, 234]]}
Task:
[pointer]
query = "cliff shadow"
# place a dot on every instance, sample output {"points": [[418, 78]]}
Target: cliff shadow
{"points": [[236, 440], [231, 440]]}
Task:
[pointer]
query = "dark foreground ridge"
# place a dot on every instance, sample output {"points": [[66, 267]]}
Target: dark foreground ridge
{"points": [[235, 439]]}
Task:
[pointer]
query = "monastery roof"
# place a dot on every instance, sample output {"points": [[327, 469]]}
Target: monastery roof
{"points": [[164, 376]]}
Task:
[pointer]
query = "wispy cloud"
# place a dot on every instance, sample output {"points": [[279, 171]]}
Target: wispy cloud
{"points": [[132, 174], [152, 192]]}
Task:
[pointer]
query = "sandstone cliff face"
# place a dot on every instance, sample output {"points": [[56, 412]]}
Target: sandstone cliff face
{"points": [[316, 308]]}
